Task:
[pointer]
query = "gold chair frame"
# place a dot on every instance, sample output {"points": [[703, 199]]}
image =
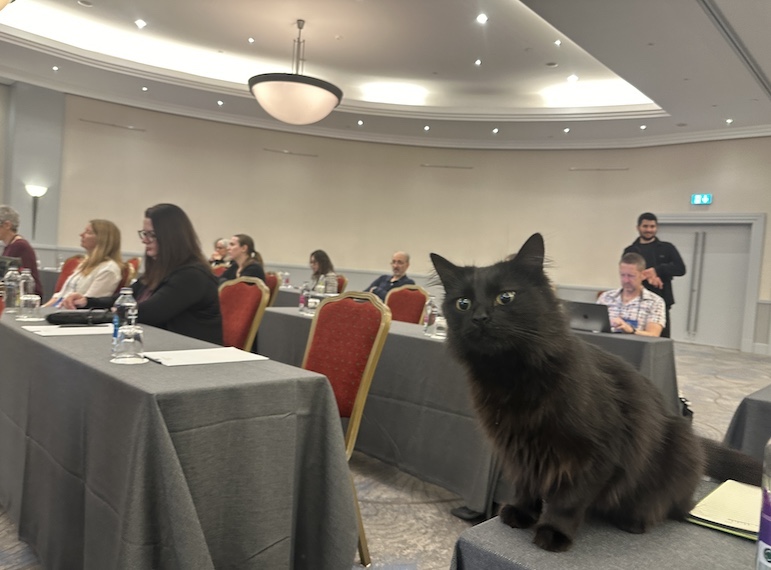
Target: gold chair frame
{"points": [[415, 288], [257, 319], [354, 422], [278, 286]]}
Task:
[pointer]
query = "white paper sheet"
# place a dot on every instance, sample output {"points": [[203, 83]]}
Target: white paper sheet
{"points": [[72, 330], [202, 356]]}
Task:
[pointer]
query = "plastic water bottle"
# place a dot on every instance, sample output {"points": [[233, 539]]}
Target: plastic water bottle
{"points": [[12, 296], [125, 312], [303, 297], [764, 535], [26, 283], [429, 316]]}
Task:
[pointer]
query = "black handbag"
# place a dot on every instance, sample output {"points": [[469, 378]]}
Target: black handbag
{"points": [[81, 317]]}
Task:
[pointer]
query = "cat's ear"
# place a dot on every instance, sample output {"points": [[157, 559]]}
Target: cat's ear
{"points": [[447, 272], [531, 253]]}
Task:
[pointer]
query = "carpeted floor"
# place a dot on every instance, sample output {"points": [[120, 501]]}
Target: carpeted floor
{"points": [[408, 522]]}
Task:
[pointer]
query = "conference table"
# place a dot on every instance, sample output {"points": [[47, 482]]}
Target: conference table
{"points": [[228, 465], [750, 427], [599, 545], [419, 416]]}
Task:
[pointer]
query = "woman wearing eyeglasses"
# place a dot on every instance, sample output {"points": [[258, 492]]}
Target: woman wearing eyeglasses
{"points": [[178, 290]]}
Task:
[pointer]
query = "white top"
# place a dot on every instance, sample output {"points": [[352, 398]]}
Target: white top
{"points": [[101, 282]]}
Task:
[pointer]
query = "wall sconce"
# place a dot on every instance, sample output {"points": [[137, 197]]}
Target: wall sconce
{"points": [[36, 192]]}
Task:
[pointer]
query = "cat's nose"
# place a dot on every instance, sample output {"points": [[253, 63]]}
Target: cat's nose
{"points": [[480, 318]]}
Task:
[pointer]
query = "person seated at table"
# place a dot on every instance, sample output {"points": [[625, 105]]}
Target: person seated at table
{"points": [[220, 255], [322, 266], [633, 309], [246, 262], [400, 262], [99, 274], [17, 246], [178, 291]]}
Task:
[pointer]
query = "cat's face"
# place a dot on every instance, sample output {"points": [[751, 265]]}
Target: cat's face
{"points": [[490, 310]]}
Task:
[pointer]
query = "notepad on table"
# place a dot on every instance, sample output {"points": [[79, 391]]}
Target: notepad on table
{"points": [[733, 507], [202, 356]]}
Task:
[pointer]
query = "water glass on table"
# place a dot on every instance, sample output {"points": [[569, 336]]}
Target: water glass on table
{"points": [[29, 308], [129, 346]]}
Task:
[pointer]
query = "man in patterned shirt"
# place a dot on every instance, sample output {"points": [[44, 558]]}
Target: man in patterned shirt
{"points": [[633, 309]]}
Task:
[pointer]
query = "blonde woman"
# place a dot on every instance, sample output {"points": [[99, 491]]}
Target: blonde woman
{"points": [[99, 274]]}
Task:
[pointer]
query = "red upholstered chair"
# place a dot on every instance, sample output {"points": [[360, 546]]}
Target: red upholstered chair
{"points": [[407, 303], [218, 270], [346, 338], [273, 282], [134, 262], [242, 304], [342, 283], [127, 275], [68, 267]]}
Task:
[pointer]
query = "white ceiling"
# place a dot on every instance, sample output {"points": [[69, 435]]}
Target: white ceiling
{"points": [[699, 62]]}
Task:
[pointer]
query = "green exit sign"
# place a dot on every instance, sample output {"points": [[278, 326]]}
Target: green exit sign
{"points": [[701, 199]]}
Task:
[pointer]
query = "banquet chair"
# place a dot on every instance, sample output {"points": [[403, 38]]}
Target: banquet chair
{"points": [[242, 304], [273, 282], [127, 275], [68, 267], [345, 341], [407, 303], [135, 262], [342, 283], [218, 270]]}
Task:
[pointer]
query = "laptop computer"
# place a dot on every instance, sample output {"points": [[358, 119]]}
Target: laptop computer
{"points": [[6, 262], [588, 316]]}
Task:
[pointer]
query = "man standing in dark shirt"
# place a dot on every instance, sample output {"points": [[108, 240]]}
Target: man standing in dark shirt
{"points": [[663, 262]]}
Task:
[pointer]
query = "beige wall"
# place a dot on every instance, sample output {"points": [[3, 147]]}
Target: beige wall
{"points": [[362, 201], [4, 97]]}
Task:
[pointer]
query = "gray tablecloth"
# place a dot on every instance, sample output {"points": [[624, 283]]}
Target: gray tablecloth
{"points": [[287, 298], [102, 466], [750, 427], [600, 546], [418, 414]]}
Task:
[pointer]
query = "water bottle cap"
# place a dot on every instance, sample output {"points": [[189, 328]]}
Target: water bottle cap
{"points": [[126, 290]]}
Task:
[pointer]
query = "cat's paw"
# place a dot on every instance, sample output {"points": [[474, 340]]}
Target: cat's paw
{"points": [[549, 538], [516, 518]]}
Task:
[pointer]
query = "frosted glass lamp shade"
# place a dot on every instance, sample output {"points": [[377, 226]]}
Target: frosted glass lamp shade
{"points": [[295, 99]]}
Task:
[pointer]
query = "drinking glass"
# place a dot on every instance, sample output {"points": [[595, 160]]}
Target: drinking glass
{"points": [[441, 327], [129, 346], [286, 279], [29, 308]]}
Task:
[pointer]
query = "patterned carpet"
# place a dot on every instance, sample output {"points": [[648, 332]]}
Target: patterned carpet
{"points": [[408, 522]]}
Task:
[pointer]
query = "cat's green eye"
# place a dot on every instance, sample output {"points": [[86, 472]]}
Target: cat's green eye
{"points": [[463, 304], [505, 298]]}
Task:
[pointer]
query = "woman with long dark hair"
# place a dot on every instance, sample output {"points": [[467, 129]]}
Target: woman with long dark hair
{"points": [[321, 265], [246, 261], [178, 290]]}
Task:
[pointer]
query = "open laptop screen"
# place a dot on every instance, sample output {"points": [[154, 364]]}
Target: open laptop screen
{"points": [[588, 316]]}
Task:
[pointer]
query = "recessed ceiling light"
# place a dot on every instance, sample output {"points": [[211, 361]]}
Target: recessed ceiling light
{"points": [[55, 68], [250, 40], [643, 127], [729, 121], [140, 23], [558, 43], [478, 62], [495, 131], [85, 3], [220, 103], [426, 128], [144, 88], [572, 78], [360, 122], [482, 18], [566, 130], [552, 64]]}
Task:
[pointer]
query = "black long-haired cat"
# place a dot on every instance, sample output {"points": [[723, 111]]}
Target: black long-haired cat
{"points": [[578, 430]]}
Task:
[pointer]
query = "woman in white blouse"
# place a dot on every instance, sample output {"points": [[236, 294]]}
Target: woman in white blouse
{"points": [[99, 274]]}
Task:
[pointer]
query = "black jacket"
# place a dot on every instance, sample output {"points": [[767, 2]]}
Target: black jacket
{"points": [[186, 302], [664, 257]]}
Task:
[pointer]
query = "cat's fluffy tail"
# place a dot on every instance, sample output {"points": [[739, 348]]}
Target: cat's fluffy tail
{"points": [[723, 463]]}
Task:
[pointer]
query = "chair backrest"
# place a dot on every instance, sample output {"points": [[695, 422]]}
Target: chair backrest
{"points": [[342, 283], [242, 304], [273, 282], [135, 262], [407, 303], [127, 275], [68, 267], [346, 338], [218, 270]]}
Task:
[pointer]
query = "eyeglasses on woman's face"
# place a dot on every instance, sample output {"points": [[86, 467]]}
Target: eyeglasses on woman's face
{"points": [[145, 235]]}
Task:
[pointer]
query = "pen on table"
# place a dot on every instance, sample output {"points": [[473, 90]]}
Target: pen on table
{"points": [[153, 359], [59, 302]]}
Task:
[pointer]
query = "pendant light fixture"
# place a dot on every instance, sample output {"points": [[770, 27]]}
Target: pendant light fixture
{"points": [[295, 98]]}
